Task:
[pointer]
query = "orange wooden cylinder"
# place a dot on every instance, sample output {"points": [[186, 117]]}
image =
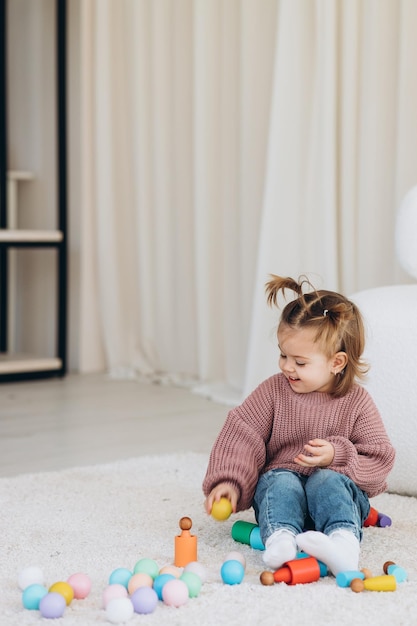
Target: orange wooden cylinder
{"points": [[304, 570], [283, 575], [185, 549]]}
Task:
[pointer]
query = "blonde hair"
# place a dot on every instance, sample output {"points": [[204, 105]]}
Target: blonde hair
{"points": [[337, 323]]}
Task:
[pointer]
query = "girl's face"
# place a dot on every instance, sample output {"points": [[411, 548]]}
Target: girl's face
{"points": [[304, 364]]}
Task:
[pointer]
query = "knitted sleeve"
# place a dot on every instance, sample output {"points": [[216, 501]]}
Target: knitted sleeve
{"points": [[367, 456], [239, 452]]}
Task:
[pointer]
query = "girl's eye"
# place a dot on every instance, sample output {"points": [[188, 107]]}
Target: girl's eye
{"points": [[282, 356], [299, 364]]}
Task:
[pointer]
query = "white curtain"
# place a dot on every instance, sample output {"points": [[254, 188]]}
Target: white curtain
{"points": [[223, 140]]}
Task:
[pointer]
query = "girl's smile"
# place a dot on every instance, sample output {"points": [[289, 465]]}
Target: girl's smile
{"points": [[303, 362]]}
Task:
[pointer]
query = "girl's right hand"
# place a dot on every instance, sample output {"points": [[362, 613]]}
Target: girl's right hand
{"points": [[222, 490]]}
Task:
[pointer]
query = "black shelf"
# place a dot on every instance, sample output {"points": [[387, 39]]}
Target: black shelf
{"points": [[16, 366]]}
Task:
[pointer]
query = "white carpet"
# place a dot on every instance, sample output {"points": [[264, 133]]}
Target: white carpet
{"points": [[95, 519]]}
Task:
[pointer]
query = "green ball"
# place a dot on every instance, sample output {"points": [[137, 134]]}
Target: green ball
{"points": [[147, 566], [193, 582]]}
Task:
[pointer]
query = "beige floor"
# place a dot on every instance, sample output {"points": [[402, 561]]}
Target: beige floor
{"points": [[82, 420]]}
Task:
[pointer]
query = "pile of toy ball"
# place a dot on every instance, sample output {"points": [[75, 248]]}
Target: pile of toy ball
{"points": [[128, 591]]}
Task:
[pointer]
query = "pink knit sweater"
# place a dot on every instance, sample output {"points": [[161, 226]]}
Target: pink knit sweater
{"points": [[272, 425]]}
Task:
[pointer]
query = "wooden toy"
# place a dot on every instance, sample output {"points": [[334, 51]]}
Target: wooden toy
{"points": [[185, 544], [377, 519], [305, 570], [241, 531], [399, 572], [344, 579], [221, 509], [232, 572], [376, 583], [267, 578]]}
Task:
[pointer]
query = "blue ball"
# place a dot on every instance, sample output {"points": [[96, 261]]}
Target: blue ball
{"points": [[120, 576], [32, 595], [144, 600], [159, 582], [232, 572]]}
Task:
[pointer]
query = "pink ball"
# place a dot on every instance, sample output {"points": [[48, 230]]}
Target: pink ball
{"points": [[81, 585], [175, 593], [113, 591]]}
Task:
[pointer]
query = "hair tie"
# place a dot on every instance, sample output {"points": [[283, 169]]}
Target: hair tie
{"points": [[325, 312]]}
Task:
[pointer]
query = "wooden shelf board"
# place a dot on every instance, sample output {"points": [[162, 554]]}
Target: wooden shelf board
{"points": [[30, 236], [17, 363]]}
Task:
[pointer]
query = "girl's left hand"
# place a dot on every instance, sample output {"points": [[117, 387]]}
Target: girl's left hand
{"points": [[319, 453]]}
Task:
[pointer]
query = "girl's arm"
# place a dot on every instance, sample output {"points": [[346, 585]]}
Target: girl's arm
{"points": [[239, 452]]}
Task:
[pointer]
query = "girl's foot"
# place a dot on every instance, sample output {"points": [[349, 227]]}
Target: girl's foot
{"points": [[280, 547], [339, 550]]}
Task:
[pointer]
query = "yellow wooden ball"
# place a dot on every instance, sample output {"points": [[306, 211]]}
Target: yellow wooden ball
{"points": [[221, 509]]}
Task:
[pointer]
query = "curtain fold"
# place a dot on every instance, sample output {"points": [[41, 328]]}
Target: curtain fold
{"points": [[224, 140]]}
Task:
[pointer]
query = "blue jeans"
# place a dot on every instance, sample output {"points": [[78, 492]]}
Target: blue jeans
{"points": [[325, 501]]}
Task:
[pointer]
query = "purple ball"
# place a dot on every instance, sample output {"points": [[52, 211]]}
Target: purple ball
{"points": [[52, 605], [144, 600]]}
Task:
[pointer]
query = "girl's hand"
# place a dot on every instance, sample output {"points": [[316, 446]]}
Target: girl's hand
{"points": [[319, 453], [222, 490]]}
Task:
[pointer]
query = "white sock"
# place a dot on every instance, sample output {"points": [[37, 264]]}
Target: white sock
{"points": [[280, 547], [339, 550]]}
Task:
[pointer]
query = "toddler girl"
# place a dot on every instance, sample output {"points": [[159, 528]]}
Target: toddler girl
{"points": [[308, 447]]}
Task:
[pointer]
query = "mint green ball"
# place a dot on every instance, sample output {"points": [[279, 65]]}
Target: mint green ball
{"points": [[147, 566], [193, 582]]}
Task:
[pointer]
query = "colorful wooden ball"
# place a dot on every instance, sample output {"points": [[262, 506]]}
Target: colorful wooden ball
{"points": [[144, 600], [81, 584], [236, 556], [175, 593], [147, 566], [357, 585], [113, 591], [386, 566], [185, 523], [267, 578], [232, 572], [120, 576], [52, 605], [160, 581], [64, 589], [119, 610], [221, 509], [366, 572], [139, 580], [193, 582], [171, 569], [32, 575], [197, 568], [32, 596]]}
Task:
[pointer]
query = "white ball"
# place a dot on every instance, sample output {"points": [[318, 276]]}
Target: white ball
{"points": [[196, 568], [30, 576], [236, 556], [119, 610]]}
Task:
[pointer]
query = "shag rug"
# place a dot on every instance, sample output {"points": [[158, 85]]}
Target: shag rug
{"points": [[96, 519]]}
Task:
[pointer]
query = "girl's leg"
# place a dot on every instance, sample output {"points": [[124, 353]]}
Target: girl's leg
{"points": [[338, 508], [280, 507]]}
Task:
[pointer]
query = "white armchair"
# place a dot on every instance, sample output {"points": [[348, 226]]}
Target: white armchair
{"points": [[390, 315]]}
